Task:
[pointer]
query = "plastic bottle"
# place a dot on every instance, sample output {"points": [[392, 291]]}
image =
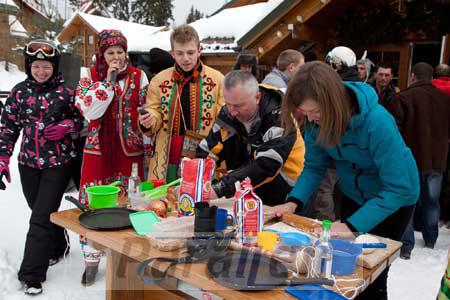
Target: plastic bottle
{"points": [[323, 253], [134, 181]]}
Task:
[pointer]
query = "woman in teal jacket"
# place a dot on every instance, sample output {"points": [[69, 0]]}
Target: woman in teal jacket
{"points": [[378, 176]]}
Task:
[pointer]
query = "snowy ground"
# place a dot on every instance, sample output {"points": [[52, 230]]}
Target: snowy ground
{"points": [[418, 278], [9, 79]]}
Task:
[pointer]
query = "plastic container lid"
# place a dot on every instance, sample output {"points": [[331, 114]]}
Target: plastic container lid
{"points": [[143, 221], [313, 292], [326, 224], [295, 239]]}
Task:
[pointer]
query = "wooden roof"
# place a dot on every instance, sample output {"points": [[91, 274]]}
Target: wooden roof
{"points": [[237, 3], [291, 24]]}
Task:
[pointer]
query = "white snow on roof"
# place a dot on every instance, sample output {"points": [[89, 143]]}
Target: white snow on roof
{"points": [[138, 35], [231, 23], [16, 28], [9, 2]]}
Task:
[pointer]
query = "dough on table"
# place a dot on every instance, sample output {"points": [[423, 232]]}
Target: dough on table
{"points": [[367, 239]]}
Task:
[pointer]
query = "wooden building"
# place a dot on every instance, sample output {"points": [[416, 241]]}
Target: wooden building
{"points": [[82, 31], [19, 19], [320, 25], [316, 26]]}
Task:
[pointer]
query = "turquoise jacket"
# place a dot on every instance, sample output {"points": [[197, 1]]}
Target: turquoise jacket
{"points": [[375, 167]]}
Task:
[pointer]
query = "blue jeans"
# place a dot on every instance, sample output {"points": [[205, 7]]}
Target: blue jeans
{"points": [[426, 215]]}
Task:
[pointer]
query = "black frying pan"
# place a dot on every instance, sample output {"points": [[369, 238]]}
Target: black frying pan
{"points": [[253, 271], [115, 218]]}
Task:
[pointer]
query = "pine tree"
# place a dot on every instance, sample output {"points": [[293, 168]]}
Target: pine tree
{"points": [[152, 12], [120, 8], [194, 14]]}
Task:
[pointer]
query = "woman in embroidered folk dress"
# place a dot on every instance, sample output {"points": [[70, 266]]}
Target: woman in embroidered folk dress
{"points": [[114, 140]]}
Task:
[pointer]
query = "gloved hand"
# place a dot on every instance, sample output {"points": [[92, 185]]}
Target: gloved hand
{"points": [[4, 171], [57, 131]]}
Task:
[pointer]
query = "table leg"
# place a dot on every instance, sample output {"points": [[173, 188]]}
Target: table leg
{"points": [[122, 282]]}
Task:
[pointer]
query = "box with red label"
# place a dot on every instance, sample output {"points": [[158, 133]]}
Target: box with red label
{"points": [[248, 209], [196, 176]]}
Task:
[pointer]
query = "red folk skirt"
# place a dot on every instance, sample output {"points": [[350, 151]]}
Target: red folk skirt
{"points": [[96, 170]]}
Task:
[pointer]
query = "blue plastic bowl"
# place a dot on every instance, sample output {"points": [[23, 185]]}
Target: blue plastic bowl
{"points": [[345, 255], [295, 239]]}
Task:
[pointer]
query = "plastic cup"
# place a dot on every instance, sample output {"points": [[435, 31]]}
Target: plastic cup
{"points": [[267, 240], [157, 182], [146, 186]]}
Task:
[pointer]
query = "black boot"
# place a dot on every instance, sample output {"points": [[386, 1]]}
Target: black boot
{"points": [[90, 272]]}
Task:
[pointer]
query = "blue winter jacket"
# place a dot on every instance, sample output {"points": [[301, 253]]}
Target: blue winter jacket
{"points": [[375, 167]]}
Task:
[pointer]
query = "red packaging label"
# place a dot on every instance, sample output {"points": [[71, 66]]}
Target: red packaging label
{"points": [[248, 209], [196, 176]]}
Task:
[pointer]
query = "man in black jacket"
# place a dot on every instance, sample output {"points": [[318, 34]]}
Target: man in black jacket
{"points": [[249, 138], [383, 85]]}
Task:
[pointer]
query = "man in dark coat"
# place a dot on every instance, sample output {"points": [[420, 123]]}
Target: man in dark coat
{"points": [[382, 83], [422, 113]]}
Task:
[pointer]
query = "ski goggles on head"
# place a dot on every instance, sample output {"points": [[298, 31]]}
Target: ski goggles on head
{"points": [[33, 48]]}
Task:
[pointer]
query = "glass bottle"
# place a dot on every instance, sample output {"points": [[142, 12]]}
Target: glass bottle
{"points": [[324, 252], [134, 181]]}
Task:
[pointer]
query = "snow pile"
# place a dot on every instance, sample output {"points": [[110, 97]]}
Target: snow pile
{"points": [[9, 79]]}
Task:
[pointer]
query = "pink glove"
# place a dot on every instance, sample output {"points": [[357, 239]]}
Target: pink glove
{"points": [[4, 171], [57, 131]]}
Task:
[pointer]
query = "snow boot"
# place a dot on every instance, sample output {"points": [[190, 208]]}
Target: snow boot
{"points": [[90, 272], [33, 288]]}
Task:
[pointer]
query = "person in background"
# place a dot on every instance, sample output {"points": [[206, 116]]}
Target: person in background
{"points": [[442, 81], [42, 109], [247, 61], [442, 78], [248, 137], [109, 96], [427, 134], [382, 83], [343, 60], [288, 63], [378, 176], [184, 99], [364, 68]]}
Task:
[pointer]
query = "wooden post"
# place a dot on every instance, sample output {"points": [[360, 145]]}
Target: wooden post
{"points": [[446, 54], [85, 46], [404, 66]]}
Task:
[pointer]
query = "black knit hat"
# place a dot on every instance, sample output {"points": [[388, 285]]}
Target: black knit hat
{"points": [[160, 60], [246, 57], [54, 60]]}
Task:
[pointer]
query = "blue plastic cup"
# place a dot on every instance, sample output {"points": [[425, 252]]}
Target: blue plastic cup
{"points": [[345, 255], [222, 217]]}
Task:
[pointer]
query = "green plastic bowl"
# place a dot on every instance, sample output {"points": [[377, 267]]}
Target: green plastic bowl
{"points": [[146, 186], [103, 196]]}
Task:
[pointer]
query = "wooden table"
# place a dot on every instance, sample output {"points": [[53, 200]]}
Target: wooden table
{"points": [[125, 249]]}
